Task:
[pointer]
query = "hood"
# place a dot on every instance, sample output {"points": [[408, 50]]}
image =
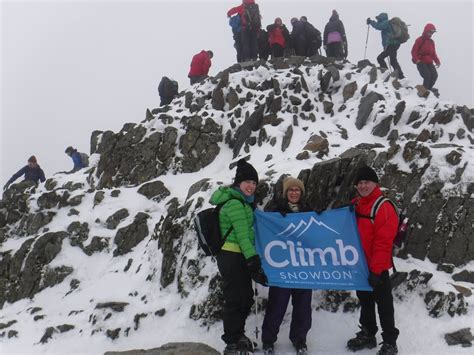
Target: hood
{"points": [[248, 1], [428, 27], [383, 16], [334, 16], [224, 194]]}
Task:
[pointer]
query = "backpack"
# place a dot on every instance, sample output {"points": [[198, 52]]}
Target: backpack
{"points": [[401, 236], [84, 159], [252, 16], [313, 35], [207, 226], [235, 23], [399, 30]]}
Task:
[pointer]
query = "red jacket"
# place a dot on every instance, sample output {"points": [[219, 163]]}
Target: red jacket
{"points": [[275, 36], [240, 10], [377, 238], [424, 48], [200, 64]]}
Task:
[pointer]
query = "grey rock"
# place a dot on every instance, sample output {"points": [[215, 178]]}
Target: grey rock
{"points": [[317, 144], [130, 236], [454, 157], [75, 201], [325, 81], [461, 337], [349, 90], [155, 190], [285, 143], [7, 324], [365, 108], [399, 109], [114, 220], [160, 313], [328, 106], [78, 233], [113, 333], [361, 64], [383, 127], [295, 100], [171, 349], [232, 98], [201, 185], [303, 155], [465, 275], [48, 334], [252, 123], [115, 193], [99, 197], [443, 117], [438, 303], [64, 328], [468, 118], [373, 75], [114, 306], [97, 244], [217, 101]]}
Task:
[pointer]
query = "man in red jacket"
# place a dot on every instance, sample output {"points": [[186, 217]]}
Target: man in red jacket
{"points": [[200, 65], [377, 237], [250, 18], [423, 54]]}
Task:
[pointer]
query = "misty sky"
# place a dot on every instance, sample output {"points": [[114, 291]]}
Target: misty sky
{"points": [[69, 68]]}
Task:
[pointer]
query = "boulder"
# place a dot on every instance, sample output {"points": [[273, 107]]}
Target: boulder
{"points": [[155, 191], [130, 236], [171, 349], [114, 220], [365, 108]]}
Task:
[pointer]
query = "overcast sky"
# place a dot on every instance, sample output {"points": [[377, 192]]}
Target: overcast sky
{"points": [[71, 67]]}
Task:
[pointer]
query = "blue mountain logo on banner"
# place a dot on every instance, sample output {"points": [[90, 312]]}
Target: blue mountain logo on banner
{"points": [[306, 250]]}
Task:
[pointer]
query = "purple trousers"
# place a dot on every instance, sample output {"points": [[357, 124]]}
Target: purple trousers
{"points": [[278, 299]]}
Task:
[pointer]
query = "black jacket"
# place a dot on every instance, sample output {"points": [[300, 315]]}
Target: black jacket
{"points": [[333, 25], [282, 206]]}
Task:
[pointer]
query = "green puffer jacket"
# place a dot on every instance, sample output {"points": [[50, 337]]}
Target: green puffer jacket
{"points": [[238, 214]]}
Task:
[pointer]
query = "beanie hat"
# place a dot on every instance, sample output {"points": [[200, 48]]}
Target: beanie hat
{"points": [[244, 172], [292, 182], [367, 173], [69, 150], [32, 159]]}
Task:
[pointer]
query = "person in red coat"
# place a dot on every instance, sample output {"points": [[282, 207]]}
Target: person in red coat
{"points": [[278, 37], [423, 54], [249, 13], [377, 237], [200, 65]]}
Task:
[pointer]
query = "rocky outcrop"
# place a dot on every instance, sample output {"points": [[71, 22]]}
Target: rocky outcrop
{"points": [[128, 237], [171, 349]]}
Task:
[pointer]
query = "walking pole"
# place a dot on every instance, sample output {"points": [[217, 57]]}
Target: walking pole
{"points": [[366, 41], [257, 331]]}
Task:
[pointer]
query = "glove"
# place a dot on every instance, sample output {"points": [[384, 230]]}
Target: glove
{"points": [[256, 271], [369, 20], [375, 280]]}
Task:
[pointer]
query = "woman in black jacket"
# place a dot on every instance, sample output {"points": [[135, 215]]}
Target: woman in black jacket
{"points": [[278, 298]]}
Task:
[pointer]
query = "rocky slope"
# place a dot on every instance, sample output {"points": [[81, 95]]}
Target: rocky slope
{"points": [[99, 253]]}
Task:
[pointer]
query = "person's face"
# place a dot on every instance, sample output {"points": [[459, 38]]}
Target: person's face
{"points": [[248, 187], [278, 22], [365, 187], [430, 33], [293, 194], [31, 164]]}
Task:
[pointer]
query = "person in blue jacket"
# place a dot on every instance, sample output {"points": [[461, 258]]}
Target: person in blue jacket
{"points": [[390, 45], [32, 172], [80, 160]]}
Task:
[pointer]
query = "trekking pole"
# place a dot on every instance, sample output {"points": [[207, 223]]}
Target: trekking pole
{"points": [[257, 331], [366, 41]]}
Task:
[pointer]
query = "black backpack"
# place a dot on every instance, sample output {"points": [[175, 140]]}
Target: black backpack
{"points": [[401, 237], [207, 226], [252, 16], [313, 34]]}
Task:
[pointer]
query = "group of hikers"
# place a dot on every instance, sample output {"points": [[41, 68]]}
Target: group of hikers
{"points": [[253, 42], [33, 172], [239, 264]]}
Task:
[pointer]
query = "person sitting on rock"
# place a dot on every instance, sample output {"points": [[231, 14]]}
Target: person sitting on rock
{"points": [[200, 65], [32, 172], [80, 160], [168, 90]]}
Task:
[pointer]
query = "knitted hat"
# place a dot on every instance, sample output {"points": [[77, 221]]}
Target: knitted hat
{"points": [[368, 174], [292, 182], [69, 150], [244, 172], [32, 159]]}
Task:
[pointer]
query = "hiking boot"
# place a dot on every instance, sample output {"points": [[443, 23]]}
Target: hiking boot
{"points": [[388, 349], [245, 344], [268, 349], [301, 348], [231, 349], [362, 340]]}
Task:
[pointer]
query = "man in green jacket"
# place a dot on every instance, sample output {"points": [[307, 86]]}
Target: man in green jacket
{"points": [[238, 261]]}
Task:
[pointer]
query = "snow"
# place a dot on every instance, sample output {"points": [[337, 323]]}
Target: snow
{"points": [[103, 278]]}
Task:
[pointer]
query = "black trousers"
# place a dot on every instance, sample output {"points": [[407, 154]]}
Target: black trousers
{"points": [[335, 50], [382, 296], [277, 51], [391, 52], [278, 299], [249, 44], [429, 74], [238, 46], [238, 294]]}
